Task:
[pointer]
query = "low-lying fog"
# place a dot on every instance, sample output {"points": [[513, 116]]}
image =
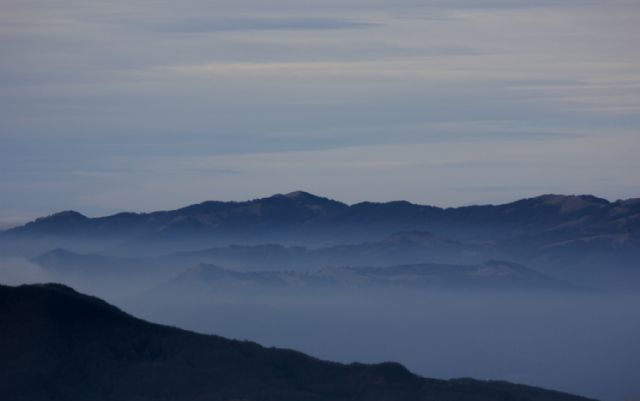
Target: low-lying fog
{"points": [[17, 270], [584, 343]]}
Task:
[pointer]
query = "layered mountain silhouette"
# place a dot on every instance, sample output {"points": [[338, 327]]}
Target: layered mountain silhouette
{"points": [[206, 281], [560, 235], [282, 268], [403, 247], [57, 344]]}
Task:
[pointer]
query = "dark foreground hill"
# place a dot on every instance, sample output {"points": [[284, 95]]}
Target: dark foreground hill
{"points": [[57, 344]]}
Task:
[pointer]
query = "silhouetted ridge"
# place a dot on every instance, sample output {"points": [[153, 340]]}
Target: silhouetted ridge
{"points": [[568, 203], [67, 222], [304, 211], [570, 234], [306, 197], [67, 215], [57, 344]]}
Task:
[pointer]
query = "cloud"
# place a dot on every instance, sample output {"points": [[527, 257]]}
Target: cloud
{"points": [[262, 24]]}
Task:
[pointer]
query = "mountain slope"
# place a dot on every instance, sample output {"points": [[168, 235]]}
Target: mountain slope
{"points": [[57, 344]]}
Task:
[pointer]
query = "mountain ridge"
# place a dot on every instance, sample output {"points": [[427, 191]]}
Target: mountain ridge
{"points": [[89, 349], [296, 203], [581, 234]]}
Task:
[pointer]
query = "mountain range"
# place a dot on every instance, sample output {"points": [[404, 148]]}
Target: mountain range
{"points": [[576, 238], [58, 344], [403, 247], [291, 215]]}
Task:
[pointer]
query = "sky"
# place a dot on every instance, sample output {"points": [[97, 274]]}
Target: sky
{"points": [[143, 105]]}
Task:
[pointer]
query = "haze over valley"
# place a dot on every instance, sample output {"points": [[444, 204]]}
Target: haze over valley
{"points": [[534, 291], [319, 200]]}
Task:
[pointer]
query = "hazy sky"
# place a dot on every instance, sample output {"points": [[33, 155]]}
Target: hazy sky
{"points": [[141, 105]]}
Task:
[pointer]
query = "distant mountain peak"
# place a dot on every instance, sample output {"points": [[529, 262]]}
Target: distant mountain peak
{"points": [[302, 200], [61, 222], [65, 215], [571, 203], [556, 198], [301, 194]]}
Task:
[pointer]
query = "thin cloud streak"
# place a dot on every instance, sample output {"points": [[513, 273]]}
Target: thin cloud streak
{"points": [[262, 24]]}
